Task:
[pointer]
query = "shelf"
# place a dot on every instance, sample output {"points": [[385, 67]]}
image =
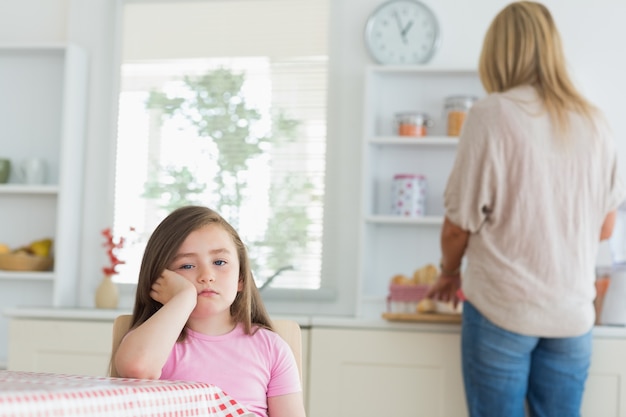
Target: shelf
{"points": [[415, 141], [398, 220], [395, 69], [390, 243], [33, 47], [26, 275], [51, 80], [28, 189], [423, 317]]}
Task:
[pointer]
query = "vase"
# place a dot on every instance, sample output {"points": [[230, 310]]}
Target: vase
{"points": [[107, 294]]}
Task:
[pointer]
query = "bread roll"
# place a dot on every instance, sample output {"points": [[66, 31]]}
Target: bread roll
{"points": [[426, 275], [426, 305], [400, 279]]}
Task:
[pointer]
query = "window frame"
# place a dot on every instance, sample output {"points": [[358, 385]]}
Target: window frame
{"points": [[278, 300]]}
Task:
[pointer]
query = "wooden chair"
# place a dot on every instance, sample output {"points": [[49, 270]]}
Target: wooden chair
{"points": [[289, 330]]}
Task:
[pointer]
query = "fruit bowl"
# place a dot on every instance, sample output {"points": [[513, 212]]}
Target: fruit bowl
{"points": [[25, 262]]}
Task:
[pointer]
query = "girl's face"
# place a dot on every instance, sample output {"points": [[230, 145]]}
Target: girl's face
{"points": [[208, 259]]}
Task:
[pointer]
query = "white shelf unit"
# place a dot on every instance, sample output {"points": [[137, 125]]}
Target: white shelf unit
{"points": [[42, 114], [391, 244]]}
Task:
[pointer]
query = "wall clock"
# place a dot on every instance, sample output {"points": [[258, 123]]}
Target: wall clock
{"points": [[402, 32]]}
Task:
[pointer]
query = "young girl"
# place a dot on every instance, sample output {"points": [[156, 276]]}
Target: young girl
{"points": [[198, 316]]}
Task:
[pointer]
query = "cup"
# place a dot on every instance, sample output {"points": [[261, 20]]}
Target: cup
{"points": [[33, 171], [5, 170]]}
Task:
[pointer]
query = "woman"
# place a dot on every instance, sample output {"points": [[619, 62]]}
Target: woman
{"points": [[533, 190]]}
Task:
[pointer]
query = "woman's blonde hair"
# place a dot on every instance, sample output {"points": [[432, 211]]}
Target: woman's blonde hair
{"points": [[523, 47], [248, 307]]}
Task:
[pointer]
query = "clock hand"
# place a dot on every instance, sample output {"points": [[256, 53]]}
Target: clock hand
{"points": [[406, 29], [399, 23]]}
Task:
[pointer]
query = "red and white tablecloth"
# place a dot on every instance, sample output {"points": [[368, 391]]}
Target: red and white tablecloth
{"points": [[30, 394]]}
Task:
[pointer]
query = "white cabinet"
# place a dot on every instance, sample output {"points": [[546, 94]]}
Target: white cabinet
{"points": [[78, 347], [372, 373], [42, 114], [417, 372], [392, 244], [605, 391]]}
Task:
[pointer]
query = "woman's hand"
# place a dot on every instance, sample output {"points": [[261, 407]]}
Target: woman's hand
{"points": [[446, 289], [168, 285]]}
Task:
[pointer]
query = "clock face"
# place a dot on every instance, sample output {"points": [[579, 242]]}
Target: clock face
{"points": [[402, 32]]}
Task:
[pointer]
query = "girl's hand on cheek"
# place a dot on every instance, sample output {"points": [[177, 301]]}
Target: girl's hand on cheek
{"points": [[168, 285]]}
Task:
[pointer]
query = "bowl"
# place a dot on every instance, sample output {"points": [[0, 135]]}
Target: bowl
{"points": [[25, 262]]}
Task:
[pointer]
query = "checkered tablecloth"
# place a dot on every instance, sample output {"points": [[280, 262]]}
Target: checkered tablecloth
{"points": [[30, 394]]}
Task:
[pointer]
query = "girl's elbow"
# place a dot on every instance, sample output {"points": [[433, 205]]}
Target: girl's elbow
{"points": [[137, 369], [139, 374]]}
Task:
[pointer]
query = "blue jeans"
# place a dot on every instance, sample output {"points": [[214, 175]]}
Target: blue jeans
{"points": [[505, 372]]}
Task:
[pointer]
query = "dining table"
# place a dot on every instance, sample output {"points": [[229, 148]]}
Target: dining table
{"points": [[37, 394]]}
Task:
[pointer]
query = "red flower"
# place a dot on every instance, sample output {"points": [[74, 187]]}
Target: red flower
{"points": [[112, 246]]}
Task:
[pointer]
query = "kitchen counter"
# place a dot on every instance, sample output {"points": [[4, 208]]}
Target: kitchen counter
{"points": [[106, 315], [87, 314], [409, 354], [93, 314]]}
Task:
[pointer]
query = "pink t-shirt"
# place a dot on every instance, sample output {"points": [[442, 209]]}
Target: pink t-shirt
{"points": [[249, 368]]}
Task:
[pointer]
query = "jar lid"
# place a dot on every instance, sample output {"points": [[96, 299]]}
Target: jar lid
{"points": [[413, 114], [408, 176], [460, 101], [420, 118]]}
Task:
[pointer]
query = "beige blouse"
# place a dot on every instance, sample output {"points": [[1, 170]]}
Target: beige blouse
{"points": [[534, 205]]}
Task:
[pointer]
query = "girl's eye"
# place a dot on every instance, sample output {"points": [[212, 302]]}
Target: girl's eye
{"points": [[220, 263], [186, 266]]}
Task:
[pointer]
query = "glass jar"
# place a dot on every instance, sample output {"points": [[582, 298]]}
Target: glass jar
{"points": [[456, 108], [413, 124]]}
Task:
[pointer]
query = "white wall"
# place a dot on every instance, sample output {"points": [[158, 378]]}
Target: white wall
{"points": [[266, 22], [592, 35], [33, 20]]}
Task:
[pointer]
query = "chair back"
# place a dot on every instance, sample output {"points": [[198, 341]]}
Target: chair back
{"points": [[289, 330], [291, 333], [121, 325]]}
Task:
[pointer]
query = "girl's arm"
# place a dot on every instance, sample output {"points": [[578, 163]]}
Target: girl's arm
{"points": [[143, 351], [288, 405]]}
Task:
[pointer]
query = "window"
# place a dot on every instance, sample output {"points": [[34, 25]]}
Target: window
{"points": [[243, 133]]}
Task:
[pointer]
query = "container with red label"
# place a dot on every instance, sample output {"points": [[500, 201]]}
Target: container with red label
{"points": [[408, 194]]}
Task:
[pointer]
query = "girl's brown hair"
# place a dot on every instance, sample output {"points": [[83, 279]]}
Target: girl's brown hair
{"points": [[248, 307], [523, 47]]}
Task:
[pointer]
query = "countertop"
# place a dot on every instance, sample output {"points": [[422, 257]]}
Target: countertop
{"points": [[93, 314]]}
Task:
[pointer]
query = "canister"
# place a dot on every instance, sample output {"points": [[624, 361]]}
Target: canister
{"points": [[456, 108], [408, 195], [412, 124]]}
